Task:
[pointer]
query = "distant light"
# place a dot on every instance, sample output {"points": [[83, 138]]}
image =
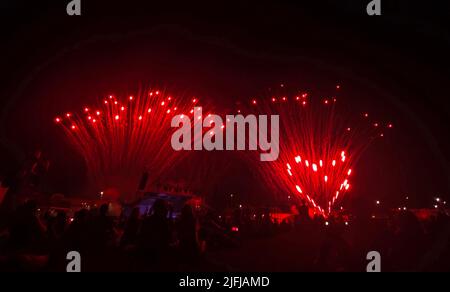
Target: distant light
{"points": [[116, 117], [326, 223], [240, 206], [235, 229], [438, 199], [404, 208], [435, 206], [231, 195], [377, 202], [346, 223]]}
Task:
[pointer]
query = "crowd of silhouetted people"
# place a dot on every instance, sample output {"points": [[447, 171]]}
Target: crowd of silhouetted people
{"points": [[156, 241]]}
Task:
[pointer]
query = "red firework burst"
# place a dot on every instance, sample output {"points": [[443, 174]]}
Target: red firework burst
{"points": [[120, 137], [320, 144]]}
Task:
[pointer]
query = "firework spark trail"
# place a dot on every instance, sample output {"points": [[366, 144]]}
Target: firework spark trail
{"points": [[319, 146], [119, 138]]}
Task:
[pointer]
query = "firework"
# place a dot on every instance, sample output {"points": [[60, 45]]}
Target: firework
{"points": [[119, 138], [320, 143]]}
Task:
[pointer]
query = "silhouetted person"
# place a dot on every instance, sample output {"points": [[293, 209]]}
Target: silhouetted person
{"points": [[60, 224], [155, 233], [187, 233], [77, 236], [102, 231], [130, 234], [26, 231]]}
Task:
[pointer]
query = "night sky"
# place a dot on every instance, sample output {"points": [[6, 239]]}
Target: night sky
{"points": [[395, 65]]}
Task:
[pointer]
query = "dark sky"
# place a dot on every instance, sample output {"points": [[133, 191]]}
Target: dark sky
{"points": [[397, 65]]}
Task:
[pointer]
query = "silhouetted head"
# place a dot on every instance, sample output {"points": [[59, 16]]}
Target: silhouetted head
{"points": [[81, 216], [61, 216], [187, 212], [135, 214], [30, 207], [37, 153], [160, 208], [104, 210]]}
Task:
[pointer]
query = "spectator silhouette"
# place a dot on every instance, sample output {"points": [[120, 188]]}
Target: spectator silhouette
{"points": [[187, 233], [77, 237], [155, 233], [102, 231], [130, 234], [26, 231]]}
